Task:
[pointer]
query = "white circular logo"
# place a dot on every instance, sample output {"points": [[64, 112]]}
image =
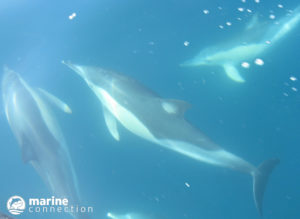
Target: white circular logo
{"points": [[16, 205]]}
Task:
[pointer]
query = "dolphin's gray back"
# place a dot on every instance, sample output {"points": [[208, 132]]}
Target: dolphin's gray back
{"points": [[35, 130]]}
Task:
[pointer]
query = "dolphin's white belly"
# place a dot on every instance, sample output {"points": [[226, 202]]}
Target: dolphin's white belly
{"points": [[214, 157], [124, 116]]}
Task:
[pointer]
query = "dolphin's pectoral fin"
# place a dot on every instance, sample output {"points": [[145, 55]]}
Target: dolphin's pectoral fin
{"points": [[55, 101], [177, 107], [233, 73], [111, 123]]}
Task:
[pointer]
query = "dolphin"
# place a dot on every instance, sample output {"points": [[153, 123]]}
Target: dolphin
{"points": [[161, 121], [231, 55], [38, 134], [3, 216]]}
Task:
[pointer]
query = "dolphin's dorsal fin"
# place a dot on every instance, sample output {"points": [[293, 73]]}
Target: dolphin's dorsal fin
{"points": [[111, 123], [176, 107], [253, 23], [55, 101], [233, 73], [260, 180]]}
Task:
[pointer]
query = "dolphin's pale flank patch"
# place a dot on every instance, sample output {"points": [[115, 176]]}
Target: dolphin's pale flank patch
{"points": [[169, 107], [177, 107]]}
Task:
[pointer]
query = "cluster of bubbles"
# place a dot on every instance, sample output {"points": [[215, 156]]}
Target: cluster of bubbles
{"points": [[291, 86], [240, 9], [257, 61]]}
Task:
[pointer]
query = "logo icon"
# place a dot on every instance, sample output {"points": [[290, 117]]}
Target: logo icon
{"points": [[16, 205]]}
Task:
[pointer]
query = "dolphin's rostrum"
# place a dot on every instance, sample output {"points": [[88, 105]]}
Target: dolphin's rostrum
{"points": [[161, 121]]}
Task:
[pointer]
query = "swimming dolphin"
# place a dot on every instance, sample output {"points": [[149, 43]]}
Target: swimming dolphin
{"points": [[127, 216], [231, 55], [162, 122], [3, 216], [38, 134]]}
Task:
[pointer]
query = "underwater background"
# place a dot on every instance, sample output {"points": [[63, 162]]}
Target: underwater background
{"points": [[148, 40]]}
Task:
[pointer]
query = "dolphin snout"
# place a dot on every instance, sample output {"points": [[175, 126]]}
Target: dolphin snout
{"points": [[75, 68]]}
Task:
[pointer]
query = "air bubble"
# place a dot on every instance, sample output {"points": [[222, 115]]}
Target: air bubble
{"points": [[293, 78], [205, 11], [186, 43], [259, 62], [245, 65], [72, 16]]}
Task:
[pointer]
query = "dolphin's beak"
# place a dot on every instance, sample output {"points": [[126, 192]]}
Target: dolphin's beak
{"points": [[9, 77], [78, 69]]}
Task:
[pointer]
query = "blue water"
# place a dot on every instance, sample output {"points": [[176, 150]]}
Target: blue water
{"points": [[256, 120]]}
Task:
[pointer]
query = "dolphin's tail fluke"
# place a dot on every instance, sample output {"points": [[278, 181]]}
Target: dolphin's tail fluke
{"points": [[78, 69], [260, 180]]}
